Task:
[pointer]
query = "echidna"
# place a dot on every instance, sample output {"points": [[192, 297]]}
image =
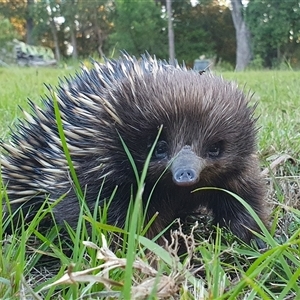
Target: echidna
{"points": [[208, 139]]}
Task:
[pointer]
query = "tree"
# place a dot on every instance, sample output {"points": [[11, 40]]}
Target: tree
{"points": [[275, 30], [203, 29], [101, 25], [87, 25], [139, 27], [105, 26], [71, 12], [15, 11], [95, 25], [170, 32], [29, 22], [23, 10], [243, 44], [46, 28], [7, 32]]}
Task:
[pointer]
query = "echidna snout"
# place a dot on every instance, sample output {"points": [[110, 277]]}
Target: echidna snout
{"points": [[186, 167]]}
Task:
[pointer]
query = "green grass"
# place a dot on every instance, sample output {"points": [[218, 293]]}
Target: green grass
{"points": [[277, 94], [227, 270], [19, 84]]}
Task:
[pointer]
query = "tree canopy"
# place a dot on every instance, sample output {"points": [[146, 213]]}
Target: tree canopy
{"points": [[104, 27], [275, 28], [205, 27], [139, 27]]}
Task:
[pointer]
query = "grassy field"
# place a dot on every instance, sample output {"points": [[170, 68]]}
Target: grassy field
{"points": [[277, 94], [226, 270]]}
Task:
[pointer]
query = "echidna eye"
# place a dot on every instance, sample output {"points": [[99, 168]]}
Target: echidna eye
{"points": [[214, 150], [161, 150]]}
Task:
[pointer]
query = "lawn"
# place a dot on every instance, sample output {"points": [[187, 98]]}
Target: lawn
{"points": [[277, 94], [226, 269]]}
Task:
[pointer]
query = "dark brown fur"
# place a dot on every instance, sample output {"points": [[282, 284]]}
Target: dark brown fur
{"points": [[207, 140]]}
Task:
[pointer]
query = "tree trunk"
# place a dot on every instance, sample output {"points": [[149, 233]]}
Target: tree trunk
{"points": [[29, 23], [74, 41], [170, 32], [101, 36], [55, 38], [100, 40], [243, 46]]}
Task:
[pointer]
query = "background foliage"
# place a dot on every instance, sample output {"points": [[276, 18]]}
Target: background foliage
{"points": [[103, 27], [275, 27]]}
